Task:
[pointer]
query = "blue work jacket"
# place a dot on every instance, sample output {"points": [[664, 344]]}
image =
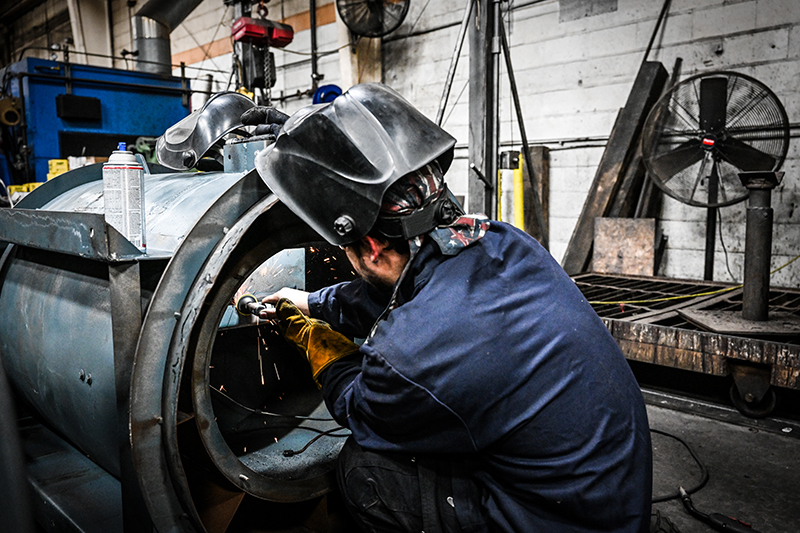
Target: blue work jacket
{"points": [[495, 355]]}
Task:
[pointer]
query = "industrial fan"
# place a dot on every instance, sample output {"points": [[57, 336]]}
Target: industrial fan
{"points": [[372, 18], [707, 129], [703, 132]]}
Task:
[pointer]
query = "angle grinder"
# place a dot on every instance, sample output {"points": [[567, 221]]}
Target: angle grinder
{"points": [[248, 305]]}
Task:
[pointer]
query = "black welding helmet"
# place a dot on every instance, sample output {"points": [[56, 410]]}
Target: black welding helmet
{"points": [[332, 163]]}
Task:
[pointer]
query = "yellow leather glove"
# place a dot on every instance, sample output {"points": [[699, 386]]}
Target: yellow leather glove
{"points": [[315, 338]]}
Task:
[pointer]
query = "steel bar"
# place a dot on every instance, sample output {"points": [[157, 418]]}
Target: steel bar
{"points": [[493, 103], [312, 14], [537, 202], [451, 72], [621, 146], [126, 321], [711, 223], [82, 234], [109, 56], [482, 119], [758, 250], [661, 16], [71, 79]]}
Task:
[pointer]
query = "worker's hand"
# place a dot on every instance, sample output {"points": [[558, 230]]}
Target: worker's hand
{"points": [[267, 120], [315, 338], [298, 298]]}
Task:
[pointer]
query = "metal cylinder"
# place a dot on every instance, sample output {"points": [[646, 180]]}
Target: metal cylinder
{"points": [[758, 243], [758, 251], [57, 339], [151, 41], [193, 388]]}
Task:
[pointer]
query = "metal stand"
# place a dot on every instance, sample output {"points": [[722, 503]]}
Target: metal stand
{"points": [[711, 222], [758, 243]]}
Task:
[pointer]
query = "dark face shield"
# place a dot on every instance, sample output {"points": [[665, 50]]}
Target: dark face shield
{"points": [[332, 163]]}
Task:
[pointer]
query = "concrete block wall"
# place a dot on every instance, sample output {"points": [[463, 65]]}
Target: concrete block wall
{"points": [[758, 38], [574, 77]]}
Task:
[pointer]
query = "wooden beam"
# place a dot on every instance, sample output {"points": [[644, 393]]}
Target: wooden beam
{"points": [[618, 153], [540, 161], [360, 62]]}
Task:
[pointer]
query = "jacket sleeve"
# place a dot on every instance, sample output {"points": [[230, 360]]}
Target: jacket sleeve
{"points": [[351, 308], [386, 411]]}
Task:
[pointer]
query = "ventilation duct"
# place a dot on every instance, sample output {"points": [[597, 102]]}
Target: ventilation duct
{"points": [[151, 28]]}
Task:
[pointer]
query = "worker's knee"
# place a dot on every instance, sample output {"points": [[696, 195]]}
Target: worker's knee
{"points": [[397, 492], [382, 491]]}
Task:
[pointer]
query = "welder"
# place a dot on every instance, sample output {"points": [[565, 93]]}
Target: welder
{"points": [[486, 395]]}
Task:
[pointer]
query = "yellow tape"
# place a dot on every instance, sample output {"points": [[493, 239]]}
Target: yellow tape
{"points": [[519, 197]]}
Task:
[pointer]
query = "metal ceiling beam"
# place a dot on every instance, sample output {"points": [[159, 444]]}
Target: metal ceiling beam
{"points": [[18, 9]]}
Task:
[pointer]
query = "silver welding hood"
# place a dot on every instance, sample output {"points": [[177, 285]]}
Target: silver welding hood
{"points": [[332, 163], [184, 143]]}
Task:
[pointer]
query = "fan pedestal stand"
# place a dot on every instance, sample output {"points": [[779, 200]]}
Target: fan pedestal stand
{"points": [[711, 222], [751, 391], [754, 318]]}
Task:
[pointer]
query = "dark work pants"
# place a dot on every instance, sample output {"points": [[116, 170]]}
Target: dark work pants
{"points": [[387, 492]]}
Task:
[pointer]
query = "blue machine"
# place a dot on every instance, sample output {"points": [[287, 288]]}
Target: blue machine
{"points": [[81, 110]]}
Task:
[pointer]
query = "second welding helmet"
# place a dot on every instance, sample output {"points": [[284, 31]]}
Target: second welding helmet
{"points": [[332, 163]]}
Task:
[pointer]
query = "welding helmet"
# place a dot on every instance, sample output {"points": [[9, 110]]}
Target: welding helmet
{"points": [[332, 163], [184, 143]]}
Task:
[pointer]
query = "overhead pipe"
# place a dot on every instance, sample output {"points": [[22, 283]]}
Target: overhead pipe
{"points": [[152, 25]]}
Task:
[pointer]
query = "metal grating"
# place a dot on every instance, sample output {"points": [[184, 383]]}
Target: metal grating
{"points": [[656, 300]]}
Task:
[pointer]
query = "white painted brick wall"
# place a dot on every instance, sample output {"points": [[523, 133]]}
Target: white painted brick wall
{"points": [[776, 12], [573, 78], [720, 20], [604, 52]]}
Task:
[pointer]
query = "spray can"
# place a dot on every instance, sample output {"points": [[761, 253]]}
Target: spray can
{"points": [[123, 188]]}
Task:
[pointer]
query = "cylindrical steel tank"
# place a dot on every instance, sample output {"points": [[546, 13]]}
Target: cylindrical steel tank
{"points": [[133, 360]]}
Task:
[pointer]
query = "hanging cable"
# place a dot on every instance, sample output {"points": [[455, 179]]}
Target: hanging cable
{"points": [[329, 433], [267, 413]]}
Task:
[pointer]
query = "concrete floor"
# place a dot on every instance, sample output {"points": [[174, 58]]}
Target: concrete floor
{"points": [[754, 466]]}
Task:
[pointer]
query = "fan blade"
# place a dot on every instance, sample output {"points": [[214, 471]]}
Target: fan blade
{"points": [[396, 11], [745, 157], [701, 175], [713, 103], [670, 163]]}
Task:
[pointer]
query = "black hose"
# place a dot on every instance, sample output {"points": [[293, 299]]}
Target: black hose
{"points": [[703, 470]]}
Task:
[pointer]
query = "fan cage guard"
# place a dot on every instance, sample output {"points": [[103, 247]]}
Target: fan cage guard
{"points": [[755, 136], [372, 18]]}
